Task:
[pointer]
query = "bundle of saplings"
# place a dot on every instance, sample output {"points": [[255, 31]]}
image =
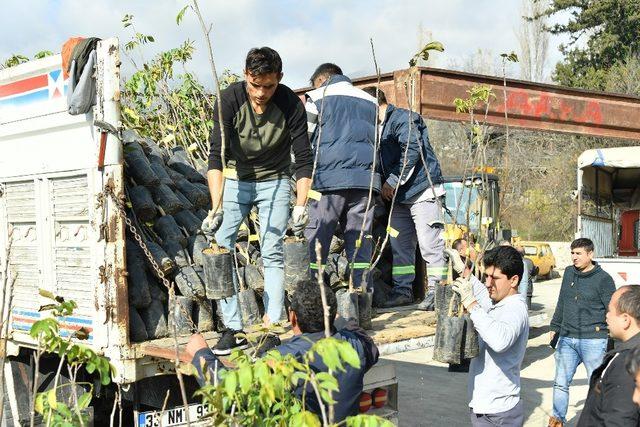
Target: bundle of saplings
{"points": [[167, 199]]}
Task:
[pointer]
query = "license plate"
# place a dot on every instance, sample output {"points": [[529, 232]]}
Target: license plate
{"points": [[171, 417]]}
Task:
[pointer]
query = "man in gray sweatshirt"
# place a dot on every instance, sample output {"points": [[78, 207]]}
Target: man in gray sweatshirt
{"points": [[500, 317], [578, 326]]}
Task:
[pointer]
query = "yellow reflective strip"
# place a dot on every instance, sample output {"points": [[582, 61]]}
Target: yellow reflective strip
{"points": [[361, 265], [392, 232], [313, 194], [230, 173], [403, 269]]}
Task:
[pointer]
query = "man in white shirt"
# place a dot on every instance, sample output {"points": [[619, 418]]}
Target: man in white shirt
{"points": [[500, 317]]}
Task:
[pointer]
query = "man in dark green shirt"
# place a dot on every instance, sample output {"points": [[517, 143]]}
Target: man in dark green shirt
{"points": [[264, 121], [579, 323]]}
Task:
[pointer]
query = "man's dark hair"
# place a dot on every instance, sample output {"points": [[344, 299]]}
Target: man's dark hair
{"points": [[507, 259], [371, 90], [306, 302], [582, 242], [456, 244], [327, 69], [633, 362], [629, 301], [263, 60]]}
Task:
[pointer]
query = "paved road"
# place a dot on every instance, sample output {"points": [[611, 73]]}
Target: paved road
{"points": [[431, 396]]}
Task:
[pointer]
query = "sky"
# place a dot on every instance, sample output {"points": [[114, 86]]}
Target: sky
{"points": [[305, 33]]}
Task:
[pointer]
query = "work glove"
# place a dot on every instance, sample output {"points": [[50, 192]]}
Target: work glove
{"points": [[299, 220], [456, 261], [211, 224], [463, 287]]}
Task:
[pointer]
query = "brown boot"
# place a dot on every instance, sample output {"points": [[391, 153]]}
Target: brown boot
{"points": [[555, 422]]}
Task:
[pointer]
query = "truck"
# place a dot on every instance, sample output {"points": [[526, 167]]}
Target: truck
{"points": [[61, 231], [608, 197]]}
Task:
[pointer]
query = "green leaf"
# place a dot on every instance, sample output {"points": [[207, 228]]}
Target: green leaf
{"points": [[367, 421], [39, 403], [42, 54], [245, 376], [327, 397], [82, 334], [84, 400], [131, 114], [64, 410], [304, 418], [230, 383], [298, 377], [167, 139], [424, 52], [51, 398], [46, 327], [349, 354], [329, 353], [47, 307], [46, 294], [181, 15], [434, 45]]}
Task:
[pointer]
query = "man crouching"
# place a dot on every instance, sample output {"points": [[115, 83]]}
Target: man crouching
{"points": [[307, 322]]}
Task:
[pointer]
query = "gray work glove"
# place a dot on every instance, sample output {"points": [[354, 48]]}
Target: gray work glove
{"points": [[463, 287], [457, 264], [299, 220], [211, 224]]}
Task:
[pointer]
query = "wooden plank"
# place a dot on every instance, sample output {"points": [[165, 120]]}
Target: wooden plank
{"points": [[388, 327]]}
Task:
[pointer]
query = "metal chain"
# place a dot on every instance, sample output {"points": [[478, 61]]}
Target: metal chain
{"points": [[120, 204]]}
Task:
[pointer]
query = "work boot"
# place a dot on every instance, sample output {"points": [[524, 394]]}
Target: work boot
{"points": [[265, 343], [555, 422], [397, 300], [427, 303]]}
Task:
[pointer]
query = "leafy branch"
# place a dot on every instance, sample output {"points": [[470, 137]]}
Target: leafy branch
{"points": [[47, 333], [424, 52]]}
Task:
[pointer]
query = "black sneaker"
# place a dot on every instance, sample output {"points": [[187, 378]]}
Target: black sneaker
{"points": [[265, 343], [397, 300], [229, 342], [428, 303]]}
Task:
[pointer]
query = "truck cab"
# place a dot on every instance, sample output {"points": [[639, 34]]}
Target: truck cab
{"points": [[608, 209]]}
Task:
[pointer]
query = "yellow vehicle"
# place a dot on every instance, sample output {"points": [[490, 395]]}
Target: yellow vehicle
{"points": [[541, 255]]}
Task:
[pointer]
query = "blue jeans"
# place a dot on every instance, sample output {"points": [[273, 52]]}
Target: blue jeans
{"points": [[272, 200], [523, 287], [570, 352]]}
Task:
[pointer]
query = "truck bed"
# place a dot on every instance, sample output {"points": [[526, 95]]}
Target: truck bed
{"points": [[390, 326]]}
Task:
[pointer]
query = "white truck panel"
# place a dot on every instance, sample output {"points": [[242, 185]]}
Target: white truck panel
{"points": [[623, 270], [62, 239]]}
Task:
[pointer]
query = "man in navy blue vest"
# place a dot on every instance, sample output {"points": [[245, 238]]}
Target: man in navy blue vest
{"points": [[341, 121], [416, 215], [306, 315]]}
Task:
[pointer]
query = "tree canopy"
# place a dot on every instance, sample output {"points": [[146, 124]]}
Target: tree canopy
{"points": [[602, 34]]}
